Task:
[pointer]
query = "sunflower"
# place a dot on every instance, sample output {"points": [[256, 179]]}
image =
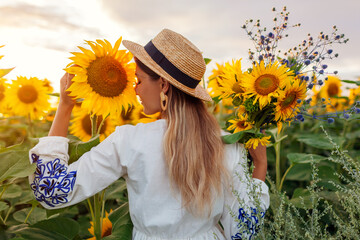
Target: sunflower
{"points": [[286, 105], [231, 80], [213, 86], [239, 124], [81, 125], [104, 78], [47, 84], [331, 90], [254, 142], [28, 97], [354, 95], [265, 82], [138, 115], [3, 87], [106, 227]]}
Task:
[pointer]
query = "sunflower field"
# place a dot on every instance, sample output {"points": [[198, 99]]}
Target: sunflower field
{"points": [[288, 101]]}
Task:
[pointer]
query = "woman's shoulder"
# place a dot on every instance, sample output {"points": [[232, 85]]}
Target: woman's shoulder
{"points": [[141, 129]]}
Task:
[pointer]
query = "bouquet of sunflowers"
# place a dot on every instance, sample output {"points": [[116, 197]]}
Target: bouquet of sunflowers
{"points": [[273, 91]]}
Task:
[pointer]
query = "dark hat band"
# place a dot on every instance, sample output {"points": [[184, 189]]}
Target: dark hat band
{"points": [[168, 67]]}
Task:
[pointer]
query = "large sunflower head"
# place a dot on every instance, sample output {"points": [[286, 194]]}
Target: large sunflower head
{"points": [[28, 97], [231, 80], [265, 82], [286, 105], [81, 125], [104, 78]]}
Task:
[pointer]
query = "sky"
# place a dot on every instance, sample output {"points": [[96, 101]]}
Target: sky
{"points": [[39, 35]]}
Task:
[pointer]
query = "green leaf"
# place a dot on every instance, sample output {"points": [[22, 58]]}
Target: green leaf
{"points": [[12, 191], [122, 225], [78, 148], [299, 172], [3, 72], [351, 81], [3, 206], [116, 190], [353, 135], [207, 60], [30, 233], [320, 141], [15, 164], [66, 227], [38, 214], [296, 158], [301, 199], [232, 138]]}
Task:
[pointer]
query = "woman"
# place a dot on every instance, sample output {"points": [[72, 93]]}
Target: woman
{"points": [[179, 174]]}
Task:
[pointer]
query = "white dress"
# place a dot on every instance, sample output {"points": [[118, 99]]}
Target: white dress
{"points": [[135, 153]]}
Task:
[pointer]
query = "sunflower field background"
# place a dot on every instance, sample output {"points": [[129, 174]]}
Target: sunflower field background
{"points": [[307, 117]]}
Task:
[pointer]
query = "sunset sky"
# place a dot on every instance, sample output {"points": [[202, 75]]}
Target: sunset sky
{"points": [[40, 34]]}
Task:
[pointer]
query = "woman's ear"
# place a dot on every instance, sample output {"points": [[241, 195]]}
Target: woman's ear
{"points": [[164, 85]]}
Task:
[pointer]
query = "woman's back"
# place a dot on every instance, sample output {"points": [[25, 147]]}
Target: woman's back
{"points": [[135, 152]]}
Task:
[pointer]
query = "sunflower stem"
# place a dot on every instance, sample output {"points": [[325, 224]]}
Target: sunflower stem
{"points": [[93, 125], [102, 123], [283, 178], [277, 146], [31, 210], [97, 220], [30, 126]]}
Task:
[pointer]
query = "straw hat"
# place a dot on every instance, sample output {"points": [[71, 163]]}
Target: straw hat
{"points": [[174, 58]]}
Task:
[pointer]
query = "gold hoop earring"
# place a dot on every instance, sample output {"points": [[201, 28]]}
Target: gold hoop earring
{"points": [[163, 98]]}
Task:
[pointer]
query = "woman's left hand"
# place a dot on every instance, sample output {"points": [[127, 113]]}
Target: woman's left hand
{"points": [[260, 161]]}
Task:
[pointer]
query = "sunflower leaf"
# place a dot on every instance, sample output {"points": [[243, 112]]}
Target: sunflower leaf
{"points": [[3, 72], [207, 60], [78, 148], [351, 81]]}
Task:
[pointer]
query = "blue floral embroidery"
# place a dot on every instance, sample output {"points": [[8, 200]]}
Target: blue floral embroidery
{"points": [[248, 223], [52, 182]]}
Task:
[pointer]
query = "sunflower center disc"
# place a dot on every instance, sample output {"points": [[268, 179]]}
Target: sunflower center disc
{"points": [[288, 100], [333, 90], [27, 94], [107, 77], [241, 124], [237, 88], [86, 124], [266, 84]]}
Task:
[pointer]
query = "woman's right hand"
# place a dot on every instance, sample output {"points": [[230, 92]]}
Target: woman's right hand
{"points": [[65, 83]]}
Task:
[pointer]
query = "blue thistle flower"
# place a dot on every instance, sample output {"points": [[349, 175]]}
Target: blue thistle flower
{"points": [[357, 110], [346, 116], [321, 71], [299, 116], [320, 82], [323, 99], [261, 57], [307, 62], [271, 35], [306, 78], [330, 120], [324, 66], [329, 51], [298, 101], [310, 86]]}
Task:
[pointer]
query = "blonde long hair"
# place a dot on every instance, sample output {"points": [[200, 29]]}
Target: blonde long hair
{"points": [[194, 151]]}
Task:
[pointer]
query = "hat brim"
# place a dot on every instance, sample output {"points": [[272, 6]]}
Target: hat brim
{"points": [[139, 52]]}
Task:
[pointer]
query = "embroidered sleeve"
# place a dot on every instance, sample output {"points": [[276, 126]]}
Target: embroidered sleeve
{"points": [[245, 205], [56, 184], [52, 181]]}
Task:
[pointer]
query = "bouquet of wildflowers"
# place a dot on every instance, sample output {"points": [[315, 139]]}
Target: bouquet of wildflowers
{"points": [[274, 89]]}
